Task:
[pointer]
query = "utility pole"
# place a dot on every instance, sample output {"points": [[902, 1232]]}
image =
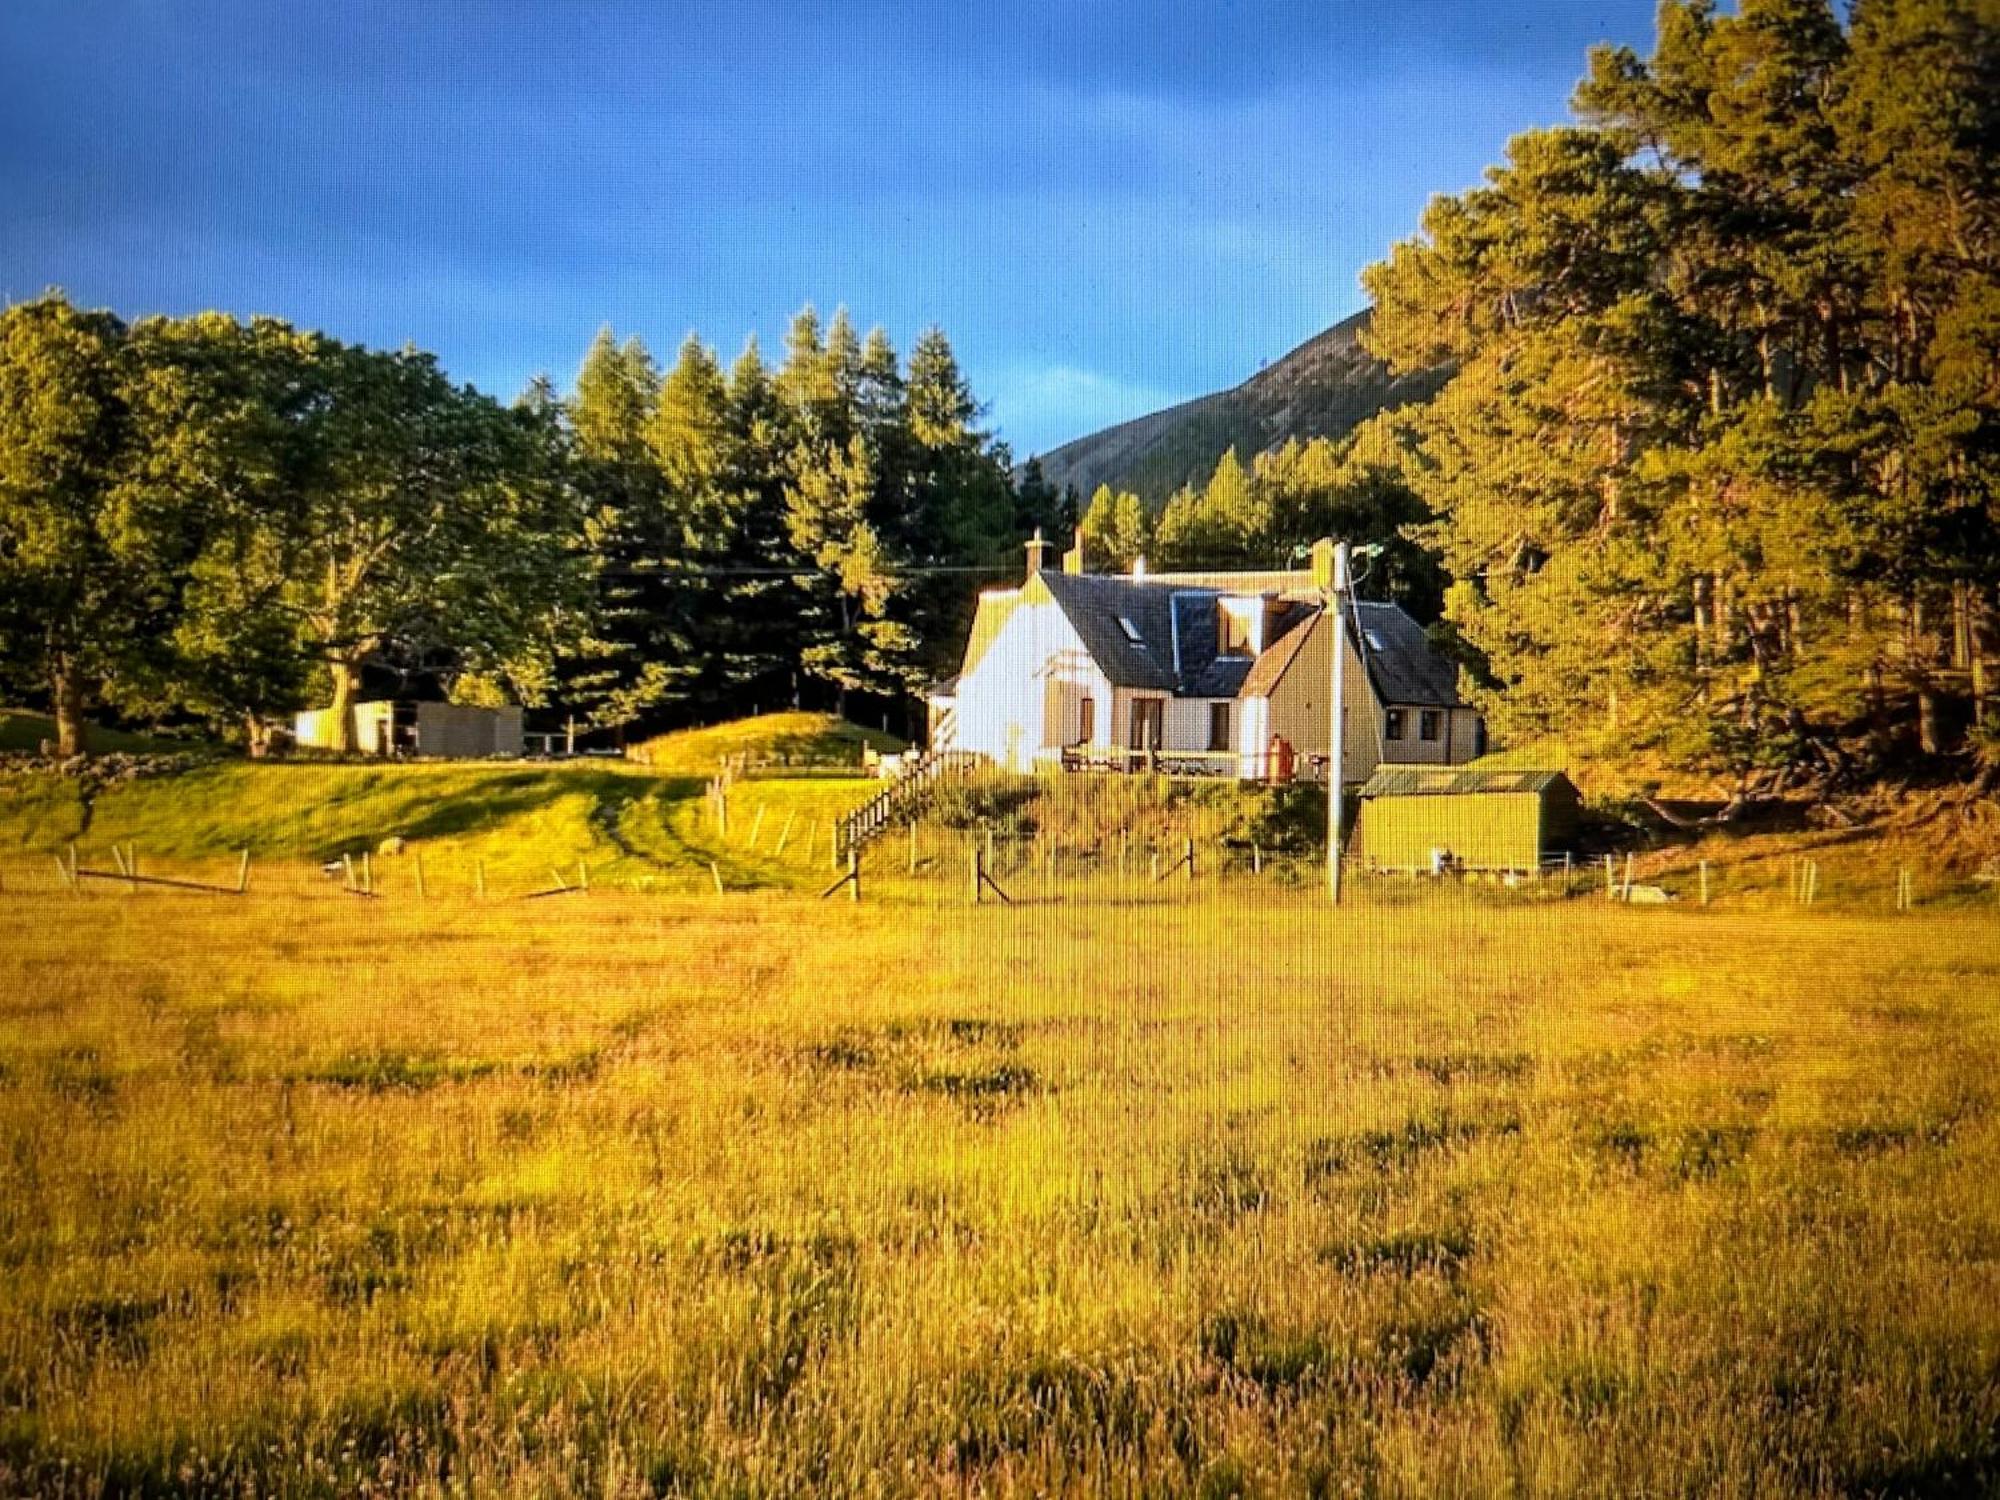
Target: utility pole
{"points": [[1335, 767]]}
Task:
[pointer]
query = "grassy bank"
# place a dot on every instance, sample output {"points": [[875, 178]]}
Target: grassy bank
{"points": [[758, 1195], [517, 821]]}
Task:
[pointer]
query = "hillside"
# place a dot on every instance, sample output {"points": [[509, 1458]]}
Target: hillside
{"points": [[521, 824], [1323, 388]]}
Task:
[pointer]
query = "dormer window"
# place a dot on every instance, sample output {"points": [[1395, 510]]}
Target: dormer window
{"points": [[1235, 629]]}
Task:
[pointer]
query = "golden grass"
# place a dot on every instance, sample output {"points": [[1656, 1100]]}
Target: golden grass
{"points": [[794, 737], [1208, 1191]]}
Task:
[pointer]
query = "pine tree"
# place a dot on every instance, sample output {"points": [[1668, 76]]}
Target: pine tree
{"points": [[636, 655], [1116, 529], [1714, 472]]}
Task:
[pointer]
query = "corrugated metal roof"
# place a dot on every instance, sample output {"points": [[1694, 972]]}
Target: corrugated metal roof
{"points": [[1456, 781]]}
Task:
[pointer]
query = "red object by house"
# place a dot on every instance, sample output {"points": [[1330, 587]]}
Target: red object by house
{"points": [[1282, 758]]}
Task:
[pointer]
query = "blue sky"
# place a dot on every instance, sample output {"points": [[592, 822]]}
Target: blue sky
{"points": [[1109, 206]]}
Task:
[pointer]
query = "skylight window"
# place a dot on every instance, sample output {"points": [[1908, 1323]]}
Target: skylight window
{"points": [[1131, 631], [1374, 641]]}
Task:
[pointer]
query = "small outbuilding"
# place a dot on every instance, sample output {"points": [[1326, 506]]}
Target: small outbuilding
{"points": [[1416, 818], [419, 730]]}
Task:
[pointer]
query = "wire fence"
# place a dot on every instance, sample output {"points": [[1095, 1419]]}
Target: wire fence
{"points": [[769, 853]]}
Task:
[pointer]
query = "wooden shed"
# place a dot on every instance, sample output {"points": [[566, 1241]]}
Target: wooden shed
{"points": [[1475, 819]]}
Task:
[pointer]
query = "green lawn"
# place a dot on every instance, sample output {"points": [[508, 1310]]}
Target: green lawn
{"points": [[519, 821], [798, 738]]}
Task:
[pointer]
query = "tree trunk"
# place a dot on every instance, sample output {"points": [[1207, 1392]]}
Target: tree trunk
{"points": [[1975, 635], [66, 694], [1918, 647], [256, 736], [346, 678]]}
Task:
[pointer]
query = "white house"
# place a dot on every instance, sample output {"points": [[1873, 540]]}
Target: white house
{"points": [[1224, 673]]}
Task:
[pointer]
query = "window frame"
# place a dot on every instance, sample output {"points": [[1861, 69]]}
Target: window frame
{"points": [[1395, 724], [1228, 626], [1220, 717], [1430, 725], [1141, 712]]}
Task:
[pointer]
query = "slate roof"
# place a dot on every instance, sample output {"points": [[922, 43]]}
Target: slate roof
{"points": [[1429, 781], [1403, 667], [1171, 646], [1095, 605]]}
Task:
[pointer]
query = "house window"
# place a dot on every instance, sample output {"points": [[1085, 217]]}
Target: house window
{"points": [[1430, 724], [1086, 721], [1218, 726], [1131, 631], [1148, 714], [1232, 631], [1394, 726], [1374, 642]]}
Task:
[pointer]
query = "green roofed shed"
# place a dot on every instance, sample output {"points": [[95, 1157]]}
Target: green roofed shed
{"points": [[1480, 819]]}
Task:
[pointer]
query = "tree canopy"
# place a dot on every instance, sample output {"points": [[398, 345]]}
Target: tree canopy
{"points": [[1714, 475]]}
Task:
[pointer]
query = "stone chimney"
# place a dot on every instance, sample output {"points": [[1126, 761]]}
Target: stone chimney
{"points": [[1038, 552], [1073, 559]]}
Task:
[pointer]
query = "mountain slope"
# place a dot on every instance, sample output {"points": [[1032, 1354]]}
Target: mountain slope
{"points": [[1323, 388]]}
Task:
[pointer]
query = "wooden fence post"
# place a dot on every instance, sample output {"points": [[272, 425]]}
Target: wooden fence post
{"points": [[853, 875], [347, 872], [582, 876], [1704, 882], [1256, 859], [756, 825], [913, 846], [715, 874], [1627, 893], [978, 870], [1610, 881], [417, 858], [1190, 861], [785, 833], [367, 873]]}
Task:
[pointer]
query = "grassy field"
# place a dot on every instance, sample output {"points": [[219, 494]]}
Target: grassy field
{"points": [[1201, 1190]]}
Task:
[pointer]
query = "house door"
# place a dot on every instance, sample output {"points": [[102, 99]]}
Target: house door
{"points": [[1148, 716]]}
